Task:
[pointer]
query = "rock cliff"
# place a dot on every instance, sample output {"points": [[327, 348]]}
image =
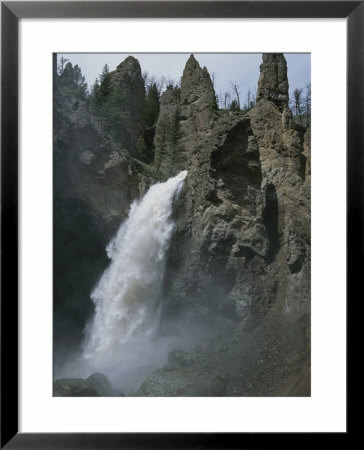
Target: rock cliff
{"points": [[95, 181], [240, 257], [183, 114], [239, 260], [127, 78]]}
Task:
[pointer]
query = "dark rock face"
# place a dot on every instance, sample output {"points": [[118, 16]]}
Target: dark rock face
{"points": [[91, 168], [94, 185]]}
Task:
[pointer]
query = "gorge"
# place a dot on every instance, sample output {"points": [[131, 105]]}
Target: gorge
{"points": [[205, 216]]}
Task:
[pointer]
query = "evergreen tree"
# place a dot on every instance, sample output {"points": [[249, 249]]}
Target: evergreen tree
{"points": [[112, 113], [214, 105], [61, 65], [67, 75], [95, 98], [234, 106], [105, 82], [298, 104], [70, 88], [141, 148], [151, 106], [72, 81], [79, 81], [107, 104], [177, 92]]}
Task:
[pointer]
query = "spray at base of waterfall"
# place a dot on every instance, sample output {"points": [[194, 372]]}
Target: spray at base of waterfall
{"points": [[122, 338]]}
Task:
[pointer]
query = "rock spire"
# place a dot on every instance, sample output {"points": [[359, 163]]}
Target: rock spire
{"points": [[273, 81], [196, 84]]}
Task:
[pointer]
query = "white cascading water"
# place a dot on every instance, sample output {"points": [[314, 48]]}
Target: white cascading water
{"points": [[127, 296]]}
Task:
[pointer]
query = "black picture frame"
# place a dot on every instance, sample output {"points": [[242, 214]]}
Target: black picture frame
{"points": [[11, 12]]}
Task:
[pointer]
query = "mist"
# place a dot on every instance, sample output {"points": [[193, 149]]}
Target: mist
{"points": [[122, 338]]}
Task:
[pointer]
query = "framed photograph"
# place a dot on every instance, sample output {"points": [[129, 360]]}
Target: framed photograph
{"points": [[176, 218]]}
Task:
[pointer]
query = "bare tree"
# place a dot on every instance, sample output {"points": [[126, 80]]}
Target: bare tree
{"points": [[145, 76], [149, 80], [254, 97], [161, 84], [307, 102], [251, 98], [236, 89], [298, 105], [61, 64], [170, 81], [221, 99], [248, 97], [227, 97], [213, 78]]}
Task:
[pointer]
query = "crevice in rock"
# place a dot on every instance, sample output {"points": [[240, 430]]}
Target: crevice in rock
{"points": [[149, 143], [270, 220], [303, 159], [297, 264], [236, 164], [246, 251]]}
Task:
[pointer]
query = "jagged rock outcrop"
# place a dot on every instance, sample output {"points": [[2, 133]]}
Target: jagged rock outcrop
{"points": [[170, 155], [197, 94], [285, 167], [273, 81], [128, 79], [95, 182], [183, 114], [240, 256], [88, 166], [220, 225]]}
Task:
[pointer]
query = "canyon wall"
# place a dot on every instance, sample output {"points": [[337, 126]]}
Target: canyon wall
{"points": [[238, 265]]}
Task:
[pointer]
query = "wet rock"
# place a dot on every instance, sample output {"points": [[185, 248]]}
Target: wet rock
{"points": [[100, 383], [73, 387], [97, 385], [180, 357]]}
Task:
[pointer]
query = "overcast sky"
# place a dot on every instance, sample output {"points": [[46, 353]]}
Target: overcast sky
{"points": [[240, 68]]}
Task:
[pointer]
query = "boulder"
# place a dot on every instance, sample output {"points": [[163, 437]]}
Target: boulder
{"points": [[73, 387], [96, 385], [100, 383]]}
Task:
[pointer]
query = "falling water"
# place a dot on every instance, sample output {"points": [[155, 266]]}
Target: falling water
{"points": [[127, 297]]}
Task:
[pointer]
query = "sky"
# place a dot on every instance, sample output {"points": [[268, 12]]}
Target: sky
{"points": [[228, 68]]}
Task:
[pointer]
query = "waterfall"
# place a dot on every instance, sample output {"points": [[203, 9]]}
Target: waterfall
{"points": [[127, 297]]}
